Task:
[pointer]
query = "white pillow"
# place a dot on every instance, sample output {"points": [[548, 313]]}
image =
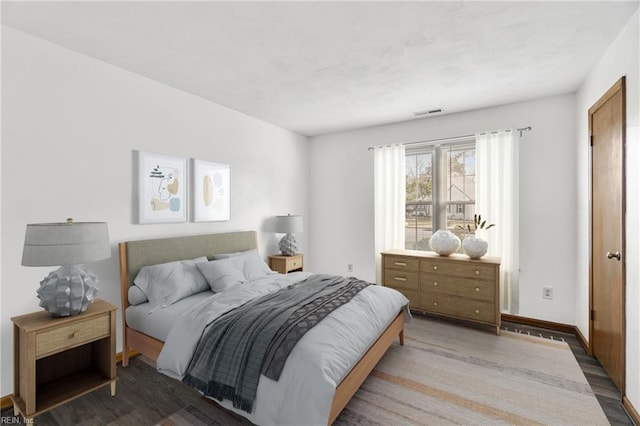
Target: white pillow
{"points": [[136, 296], [222, 274], [166, 283], [227, 255], [143, 279], [250, 262]]}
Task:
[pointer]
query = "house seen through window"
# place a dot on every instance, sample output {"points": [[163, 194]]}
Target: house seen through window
{"points": [[440, 187]]}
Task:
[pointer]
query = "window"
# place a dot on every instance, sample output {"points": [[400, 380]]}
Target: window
{"points": [[440, 186]]}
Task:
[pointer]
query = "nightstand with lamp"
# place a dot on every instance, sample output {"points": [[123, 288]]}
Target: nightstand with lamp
{"points": [[290, 260], [69, 350]]}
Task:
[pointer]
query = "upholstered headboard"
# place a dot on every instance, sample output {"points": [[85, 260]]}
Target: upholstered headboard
{"points": [[136, 254]]}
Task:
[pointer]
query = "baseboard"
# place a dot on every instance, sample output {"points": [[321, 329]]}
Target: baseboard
{"points": [[550, 325], [5, 401], [631, 411], [583, 341], [132, 353], [557, 326]]}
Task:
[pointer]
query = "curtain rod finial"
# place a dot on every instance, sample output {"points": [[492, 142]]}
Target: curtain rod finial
{"points": [[525, 129]]}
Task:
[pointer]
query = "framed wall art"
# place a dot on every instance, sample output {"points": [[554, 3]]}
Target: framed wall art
{"points": [[162, 188], [211, 191]]}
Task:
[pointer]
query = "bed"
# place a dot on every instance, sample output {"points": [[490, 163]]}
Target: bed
{"points": [[145, 335]]}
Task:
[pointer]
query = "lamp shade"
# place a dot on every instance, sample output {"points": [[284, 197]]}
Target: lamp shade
{"points": [[55, 244], [289, 224]]}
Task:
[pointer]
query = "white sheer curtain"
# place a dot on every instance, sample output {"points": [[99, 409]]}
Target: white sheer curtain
{"points": [[389, 200], [497, 200]]}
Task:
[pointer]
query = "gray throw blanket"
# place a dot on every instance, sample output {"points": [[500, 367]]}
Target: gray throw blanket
{"points": [[258, 336]]}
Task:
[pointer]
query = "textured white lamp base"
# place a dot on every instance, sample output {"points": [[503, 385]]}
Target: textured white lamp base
{"points": [[67, 291], [288, 245]]}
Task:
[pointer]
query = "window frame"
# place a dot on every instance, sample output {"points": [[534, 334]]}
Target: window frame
{"points": [[438, 203]]}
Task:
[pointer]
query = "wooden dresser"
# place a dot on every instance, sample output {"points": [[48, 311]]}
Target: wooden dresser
{"points": [[453, 286]]}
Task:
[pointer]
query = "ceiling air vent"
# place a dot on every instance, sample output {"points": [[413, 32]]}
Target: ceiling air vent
{"points": [[427, 112]]}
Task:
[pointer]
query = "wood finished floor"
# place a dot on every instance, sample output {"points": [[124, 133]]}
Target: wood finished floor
{"points": [[155, 396], [601, 384]]}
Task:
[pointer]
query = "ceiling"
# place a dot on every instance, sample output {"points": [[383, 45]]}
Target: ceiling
{"points": [[321, 67]]}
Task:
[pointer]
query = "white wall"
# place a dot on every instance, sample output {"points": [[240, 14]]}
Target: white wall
{"points": [[621, 59], [341, 209], [69, 126]]}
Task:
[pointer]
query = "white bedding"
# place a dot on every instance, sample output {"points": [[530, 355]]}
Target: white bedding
{"points": [[317, 364], [158, 323]]}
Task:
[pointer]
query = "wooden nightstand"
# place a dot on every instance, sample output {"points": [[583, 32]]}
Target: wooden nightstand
{"points": [[286, 264], [59, 359]]}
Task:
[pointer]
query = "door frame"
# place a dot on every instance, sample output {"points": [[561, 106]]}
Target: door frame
{"points": [[619, 85]]}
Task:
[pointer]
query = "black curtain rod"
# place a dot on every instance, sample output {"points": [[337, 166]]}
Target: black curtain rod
{"points": [[521, 130]]}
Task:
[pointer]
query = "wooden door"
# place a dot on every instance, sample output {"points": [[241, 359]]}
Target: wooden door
{"points": [[607, 324]]}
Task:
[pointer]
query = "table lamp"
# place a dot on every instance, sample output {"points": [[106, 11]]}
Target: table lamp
{"points": [[70, 289], [288, 225]]}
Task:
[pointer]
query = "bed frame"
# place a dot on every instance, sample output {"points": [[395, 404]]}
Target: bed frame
{"points": [[136, 254]]}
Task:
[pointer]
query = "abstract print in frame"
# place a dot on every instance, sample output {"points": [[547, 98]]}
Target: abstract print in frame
{"points": [[211, 191], [162, 188]]}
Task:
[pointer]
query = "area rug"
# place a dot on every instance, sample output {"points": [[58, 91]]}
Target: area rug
{"points": [[453, 374]]}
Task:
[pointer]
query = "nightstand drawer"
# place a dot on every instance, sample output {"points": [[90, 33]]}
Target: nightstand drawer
{"points": [[464, 269], [57, 339], [400, 262], [295, 262], [402, 279], [460, 287]]}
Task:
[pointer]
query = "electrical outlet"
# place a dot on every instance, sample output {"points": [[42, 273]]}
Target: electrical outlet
{"points": [[349, 267], [547, 293]]}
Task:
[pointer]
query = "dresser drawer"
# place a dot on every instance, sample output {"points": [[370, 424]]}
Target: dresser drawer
{"points": [[401, 262], [463, 269], [412, 295], [401, 279], [77, 333], [459, 287], [461, 308]]}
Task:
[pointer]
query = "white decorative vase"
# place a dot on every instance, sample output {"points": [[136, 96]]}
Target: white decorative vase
{"points": [[444, 242], [474, 247]]}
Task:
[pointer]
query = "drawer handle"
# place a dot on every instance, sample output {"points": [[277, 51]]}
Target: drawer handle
{"points": [[74, 335], [477, 272], [400, 263], [435, 303], [435, 268], [403, 279], [435, 283], [477, 288], [477, 311]]}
